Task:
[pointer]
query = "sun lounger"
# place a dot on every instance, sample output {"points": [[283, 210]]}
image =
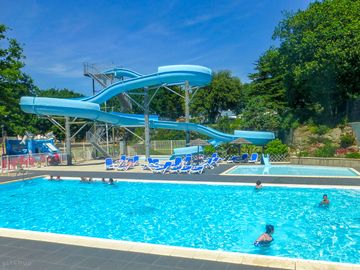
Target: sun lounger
{"points": [[128, 165], [177, 162], [244, 158], [185, 169], [253, 158], [163, 169], [136, 160], [152, 164], [109, 164], [175, 169], [197, 169], [187, 160], [233, 159]]}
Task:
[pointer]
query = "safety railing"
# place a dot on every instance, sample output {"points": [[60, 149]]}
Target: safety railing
{"points": [[21, 162]]}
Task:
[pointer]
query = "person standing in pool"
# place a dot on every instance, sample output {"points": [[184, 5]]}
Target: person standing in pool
{"points": [[325, 201], [266, 238], [258, 184]]}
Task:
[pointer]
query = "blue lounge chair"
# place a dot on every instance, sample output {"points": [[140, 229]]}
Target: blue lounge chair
{"points": [[177, 162], [185, 169], [253, 158], [109, 164], [136, 160], [187, 160], [128, 165], [197, 169], [175, 169], [209, 163], [152, 164], [121, 160], [233, 159], [163, 169], [244, 158]]}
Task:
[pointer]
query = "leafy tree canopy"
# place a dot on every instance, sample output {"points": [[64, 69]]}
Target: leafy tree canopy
{"points": [[13, 84], [320, 57], [224, 93]]}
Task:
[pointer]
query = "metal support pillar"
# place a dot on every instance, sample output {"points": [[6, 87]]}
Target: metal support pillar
{"points": [[147, 123], [68, 141], [187, 110]]}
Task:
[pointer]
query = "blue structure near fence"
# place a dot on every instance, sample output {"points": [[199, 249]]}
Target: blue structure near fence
{"points": [[30, 146]]}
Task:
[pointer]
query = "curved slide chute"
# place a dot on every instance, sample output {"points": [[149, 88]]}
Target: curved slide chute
{"points": [[89, 107]]}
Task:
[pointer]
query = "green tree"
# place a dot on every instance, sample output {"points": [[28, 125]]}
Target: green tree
{"points": [[58, 93], [13, 84], [268, 82], [260, 114], [224, 93], [320, 58], [276, 147]]}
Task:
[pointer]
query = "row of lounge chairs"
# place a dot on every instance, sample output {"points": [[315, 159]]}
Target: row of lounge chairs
{"points": [[244, 158], [181, 165]]}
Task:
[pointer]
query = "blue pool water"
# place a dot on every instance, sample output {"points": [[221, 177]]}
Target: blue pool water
{"points": [[295, 170], [215, 217]]}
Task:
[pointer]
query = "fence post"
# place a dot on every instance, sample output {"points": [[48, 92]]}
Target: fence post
{"points": [[7, 164], [84, 154]]}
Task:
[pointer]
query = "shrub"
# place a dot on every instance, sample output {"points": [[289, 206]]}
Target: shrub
{"points": [[318, 139], [303, 154], [353, 155], [276, 147], [209, 149], [347, 140], [319, 130], [328, 150]]}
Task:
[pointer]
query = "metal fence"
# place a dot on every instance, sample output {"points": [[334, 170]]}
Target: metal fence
{"points": [[24, 162], [279, 158], [156, 147]]}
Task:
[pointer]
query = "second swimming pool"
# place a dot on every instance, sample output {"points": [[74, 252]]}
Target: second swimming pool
{"points": [[215, 217], [293, 170]]}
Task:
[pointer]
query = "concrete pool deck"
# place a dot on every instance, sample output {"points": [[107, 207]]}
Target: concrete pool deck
{"points": [[17, 252], [97, 169]]}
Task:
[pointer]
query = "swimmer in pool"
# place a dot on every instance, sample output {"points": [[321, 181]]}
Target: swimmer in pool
{"points": [[111, 181], [266, 238], [325, 201], [258, 184]]}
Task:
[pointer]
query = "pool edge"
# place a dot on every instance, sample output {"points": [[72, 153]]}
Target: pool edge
{"points": [[226, 173], [174, 251]]}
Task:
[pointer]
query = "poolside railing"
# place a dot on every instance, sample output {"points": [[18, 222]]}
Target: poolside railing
{"points": [[24, 162]]}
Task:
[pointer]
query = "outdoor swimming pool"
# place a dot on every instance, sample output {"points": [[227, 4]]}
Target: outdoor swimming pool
{"points": [[293, 170], [215, 217]]}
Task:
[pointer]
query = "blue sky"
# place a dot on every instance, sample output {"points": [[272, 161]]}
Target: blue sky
{"points": [[58, 36]]}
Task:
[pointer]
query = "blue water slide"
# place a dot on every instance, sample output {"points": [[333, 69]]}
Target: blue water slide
{"points": [[89, 107]]}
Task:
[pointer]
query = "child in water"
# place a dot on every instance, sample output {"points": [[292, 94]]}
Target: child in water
{"points": [[325, 201], [266, 238], [258, 184]]}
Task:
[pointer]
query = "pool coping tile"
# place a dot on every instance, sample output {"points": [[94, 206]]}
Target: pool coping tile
{"points": [[180, 252]]}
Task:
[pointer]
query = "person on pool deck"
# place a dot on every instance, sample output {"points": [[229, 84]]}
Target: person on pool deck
{"points": [[325, 200], [258, 184], [266, 238]]}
